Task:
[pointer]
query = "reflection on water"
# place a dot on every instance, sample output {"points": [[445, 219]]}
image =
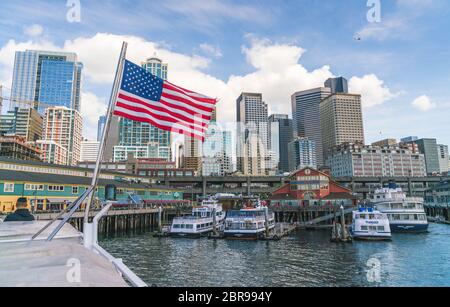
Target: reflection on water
{"points": [[304, 259]]}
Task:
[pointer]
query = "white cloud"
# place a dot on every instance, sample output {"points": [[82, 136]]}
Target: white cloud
{"points": [[278, 73], [373, 90], [33, 30], [92, 107], [211, 50], [423, 103], [7, 54]]}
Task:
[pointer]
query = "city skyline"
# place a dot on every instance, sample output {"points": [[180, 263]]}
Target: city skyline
{"points": [[224, 67]]}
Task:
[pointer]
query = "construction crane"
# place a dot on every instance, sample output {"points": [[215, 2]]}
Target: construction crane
{"points": [[32, 104]]}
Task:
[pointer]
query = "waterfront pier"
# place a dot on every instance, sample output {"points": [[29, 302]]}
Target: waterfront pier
{"points": [[311, 216], [123, 221]]}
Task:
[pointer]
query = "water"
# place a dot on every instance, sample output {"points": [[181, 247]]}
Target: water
{"points": [[306, 258]]}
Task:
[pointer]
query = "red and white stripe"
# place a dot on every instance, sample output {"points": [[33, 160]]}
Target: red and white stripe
{"points": [[179, 110]]}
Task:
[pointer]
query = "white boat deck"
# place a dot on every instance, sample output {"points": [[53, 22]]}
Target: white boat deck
{"points": [[48, 264]]}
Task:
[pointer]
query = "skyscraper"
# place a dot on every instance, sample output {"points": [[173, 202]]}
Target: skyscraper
{"points": [[100, 127], [192, 158], [302, 153], [429, 148], [51, 78], [284, 133], [337, 85], [217, 155], [64, 126], [252, 134], [137, 134], [341, 121], [306, 117]]}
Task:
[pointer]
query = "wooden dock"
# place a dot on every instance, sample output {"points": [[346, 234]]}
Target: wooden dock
{"points": [[122, 221]]}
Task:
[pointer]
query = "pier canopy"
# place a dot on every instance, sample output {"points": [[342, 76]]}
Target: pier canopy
{"points": [[308, 187]]}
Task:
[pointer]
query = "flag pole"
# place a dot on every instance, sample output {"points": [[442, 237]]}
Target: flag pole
{"points": [[111, 106]]}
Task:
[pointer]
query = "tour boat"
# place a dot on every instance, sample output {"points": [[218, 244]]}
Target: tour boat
{"points": [[406, 214], [249, 222], [201, 221], [370, 224]]}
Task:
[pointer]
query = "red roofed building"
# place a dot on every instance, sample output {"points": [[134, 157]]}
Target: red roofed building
{"points": [[312, 187]]}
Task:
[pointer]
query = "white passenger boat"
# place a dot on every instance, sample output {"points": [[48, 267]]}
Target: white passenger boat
{"points": [[370, 224], [249, 223], [201, 221], [406, 214]]}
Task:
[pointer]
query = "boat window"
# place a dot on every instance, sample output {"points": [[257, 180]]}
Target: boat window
{"points": [[380, 228], [363, 227]]}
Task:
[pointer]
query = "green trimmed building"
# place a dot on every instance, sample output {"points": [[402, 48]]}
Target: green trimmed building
{"points": [[49, 187]]}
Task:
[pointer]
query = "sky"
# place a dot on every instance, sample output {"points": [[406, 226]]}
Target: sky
{"points": [[398, 60]]}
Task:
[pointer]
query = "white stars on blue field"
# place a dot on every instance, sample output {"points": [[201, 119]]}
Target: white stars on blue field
{"points": [[140, 82]]}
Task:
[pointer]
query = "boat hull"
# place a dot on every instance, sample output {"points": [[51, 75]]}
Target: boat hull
{"points": [[372, 238], [243, 236], [188, 235], [246, 235], [409, 228]]}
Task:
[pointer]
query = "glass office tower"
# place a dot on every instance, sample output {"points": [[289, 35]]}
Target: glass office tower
{"points": [[43, 79]]}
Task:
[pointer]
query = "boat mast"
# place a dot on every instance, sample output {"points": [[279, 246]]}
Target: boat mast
{"points": [[111, 106]]}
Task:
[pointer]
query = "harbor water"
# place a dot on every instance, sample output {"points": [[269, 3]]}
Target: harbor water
{"points": [[306, 258]]}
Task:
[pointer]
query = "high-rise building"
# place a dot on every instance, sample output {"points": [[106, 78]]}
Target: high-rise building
{"points": [[136, 134], [64, 126], [429, 148], [443, 158], [306, 117], [192, 158], [337, 85], [217, 152], [112, 139], [252, 134], [50, 78], [156, 67], [302, 153], [23, 122], [281, 134], [101, 125], [358, 160], [52, 152], [89, 150], [341, 120]]}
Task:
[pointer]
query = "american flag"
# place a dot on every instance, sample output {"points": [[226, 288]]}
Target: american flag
{"points": [[144, 97]]}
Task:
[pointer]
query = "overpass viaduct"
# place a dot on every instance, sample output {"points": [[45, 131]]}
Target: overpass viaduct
{"points": [[362, 186]]}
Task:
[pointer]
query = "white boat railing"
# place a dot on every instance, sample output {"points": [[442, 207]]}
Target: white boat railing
{"points": [[90, 239]]}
